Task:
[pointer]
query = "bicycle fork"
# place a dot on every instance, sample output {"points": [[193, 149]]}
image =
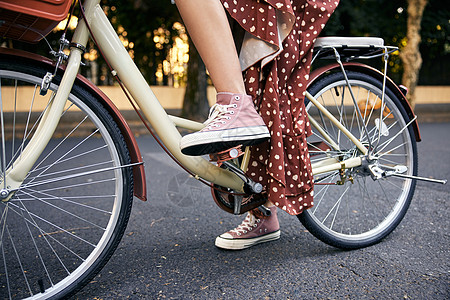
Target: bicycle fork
{"points": [[16, 174]]}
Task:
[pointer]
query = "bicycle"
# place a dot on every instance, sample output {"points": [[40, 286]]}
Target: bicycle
{"points": [[66, 199]]}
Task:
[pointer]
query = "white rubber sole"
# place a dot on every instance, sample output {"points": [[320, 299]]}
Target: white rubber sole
{"points": [[200, 143], [239, 244]]}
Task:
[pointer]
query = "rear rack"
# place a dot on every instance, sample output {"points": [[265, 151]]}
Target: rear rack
{"points": [[350, 48]]}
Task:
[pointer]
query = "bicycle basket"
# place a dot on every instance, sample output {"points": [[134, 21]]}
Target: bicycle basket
{"points": [[31, 20]]}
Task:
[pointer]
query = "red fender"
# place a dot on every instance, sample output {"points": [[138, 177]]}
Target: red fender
{"points": [[362, 68], [140, 186]]}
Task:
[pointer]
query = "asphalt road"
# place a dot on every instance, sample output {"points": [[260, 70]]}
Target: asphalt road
{"points": [[168, 249]]}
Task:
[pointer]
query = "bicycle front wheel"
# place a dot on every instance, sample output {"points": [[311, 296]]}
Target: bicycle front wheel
{"points": [[351, 209], [62, 225]]}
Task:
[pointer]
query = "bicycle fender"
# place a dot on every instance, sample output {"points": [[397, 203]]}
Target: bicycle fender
{"points": [[140, 185], [368, 70]]}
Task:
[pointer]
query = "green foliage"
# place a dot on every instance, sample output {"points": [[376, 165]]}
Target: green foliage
{"points": [[383, 18], [141, 20], [435, 46], [387, 19]]}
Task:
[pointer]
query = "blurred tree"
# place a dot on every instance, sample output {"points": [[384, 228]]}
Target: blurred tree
{"points": [[435, 45], [147, 29], [195, 103], [388, 19], [151, 27], [410, 55], [377, 18]]}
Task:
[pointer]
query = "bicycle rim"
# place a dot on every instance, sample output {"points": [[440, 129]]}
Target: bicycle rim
{"points": [[351, 209], [63, 224]]}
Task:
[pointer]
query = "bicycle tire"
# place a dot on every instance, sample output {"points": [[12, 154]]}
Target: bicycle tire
{"points": [[356, 211], [64, 223]]}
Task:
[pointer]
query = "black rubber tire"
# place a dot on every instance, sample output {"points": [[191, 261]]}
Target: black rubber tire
{"points": [[333, 196], [89, 196]]}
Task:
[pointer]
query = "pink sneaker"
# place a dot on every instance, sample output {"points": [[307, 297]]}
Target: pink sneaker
{"points": [[232, 121], [250, 232]]}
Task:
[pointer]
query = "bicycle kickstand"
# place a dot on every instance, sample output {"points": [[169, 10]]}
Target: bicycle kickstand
{"points": [[398, 171]]}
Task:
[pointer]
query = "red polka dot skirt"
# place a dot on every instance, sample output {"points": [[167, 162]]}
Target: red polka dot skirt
{"points": [[276, 56]]}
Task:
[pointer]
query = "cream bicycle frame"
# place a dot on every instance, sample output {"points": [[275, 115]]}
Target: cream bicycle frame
{"points": [[163, 124]]}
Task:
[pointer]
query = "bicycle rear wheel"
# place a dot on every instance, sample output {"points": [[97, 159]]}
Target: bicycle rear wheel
{"points": [[63, 224], [352, 210]]}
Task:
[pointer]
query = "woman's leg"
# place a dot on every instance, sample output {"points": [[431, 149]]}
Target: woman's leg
{"points": [[208, 27], [234, 120]]}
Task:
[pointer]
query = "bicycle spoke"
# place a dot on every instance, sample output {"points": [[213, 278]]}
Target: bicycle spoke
{"points": [[342, 114], [63, 210], [74, 157], [66, 198], [71, 170], [355, 115], [14, 120], [382, 188], [25, 134], [390, 150], [337, 209], [27, 185], [52, 249], [317, 203], [389, 164], [333, 133], [400, 155], [400, 188], [19, 261], [395, 136], [337, 203], [28, 133], [33, 240], [54, 253], [3, 153], [351, 209], [365, 117], [65, 220], [54, 225], [322, 138], [6, 271], [57, 147], [48, 234], [3, 223], [375, 129], [364, 188]]}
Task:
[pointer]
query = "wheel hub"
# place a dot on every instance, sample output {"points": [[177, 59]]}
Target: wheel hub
{"points": [[5, 195]]}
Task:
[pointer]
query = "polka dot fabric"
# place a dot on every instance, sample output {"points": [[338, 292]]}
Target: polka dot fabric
{"points": [[282, 164]]}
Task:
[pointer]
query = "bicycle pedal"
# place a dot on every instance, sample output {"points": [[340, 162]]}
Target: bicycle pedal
{"points": [[227, 155], [265, 210], [250, 186]]}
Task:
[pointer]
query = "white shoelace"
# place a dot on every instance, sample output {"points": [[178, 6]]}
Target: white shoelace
{"points": [[219, 113], [247, 225]]}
